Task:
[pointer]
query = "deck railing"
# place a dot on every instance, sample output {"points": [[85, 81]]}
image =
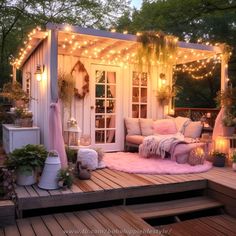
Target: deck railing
{"points": [[204, 114]]}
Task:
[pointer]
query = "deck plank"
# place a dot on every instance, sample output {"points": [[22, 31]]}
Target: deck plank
{"points": [[39, 227], [53, 226], [80, 226], [25, 227], [31, 191], [11, 230], [105, 222], [92, 223], [120, 223], [106, 180], [66, 224]]}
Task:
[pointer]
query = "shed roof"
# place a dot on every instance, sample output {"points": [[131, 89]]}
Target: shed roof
{"points": [[107, 46]]}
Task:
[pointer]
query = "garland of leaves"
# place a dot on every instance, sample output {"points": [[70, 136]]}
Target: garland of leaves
{"points": [[85, 88], [156, 46]]}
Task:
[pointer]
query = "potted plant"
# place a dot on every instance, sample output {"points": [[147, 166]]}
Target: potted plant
{"points": [[229, 122], [219, 159], [65, 179], [233, 157], [164, 94], [25, 161], [22, 117], [15, 93]]}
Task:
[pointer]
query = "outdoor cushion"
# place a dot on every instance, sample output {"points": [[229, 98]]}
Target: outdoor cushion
{"points": [[132, 126], [193, 129], [181, 123], [164, 126], [135, 139], [146, 126]]}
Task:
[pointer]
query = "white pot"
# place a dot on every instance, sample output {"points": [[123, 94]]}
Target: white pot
{"points": [[234, 166], [25, 178], [49, 177]]}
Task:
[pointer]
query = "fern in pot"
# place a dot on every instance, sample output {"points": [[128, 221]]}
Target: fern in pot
{"points": [[26, 161]]}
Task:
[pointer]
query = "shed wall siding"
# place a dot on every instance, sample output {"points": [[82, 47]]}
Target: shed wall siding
{"points": [[40, 90]]}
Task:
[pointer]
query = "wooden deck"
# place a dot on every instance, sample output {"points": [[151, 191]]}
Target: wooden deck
{"points": [[107, 185]]}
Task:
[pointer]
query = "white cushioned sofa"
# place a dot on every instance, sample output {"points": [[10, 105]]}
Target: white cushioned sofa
{"points": [[138, 128]]}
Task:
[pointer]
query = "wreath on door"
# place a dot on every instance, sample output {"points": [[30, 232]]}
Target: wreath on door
{"points": [[78, 71]]}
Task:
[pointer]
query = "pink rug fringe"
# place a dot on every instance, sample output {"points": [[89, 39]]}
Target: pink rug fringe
{"points": [[133, 163]]}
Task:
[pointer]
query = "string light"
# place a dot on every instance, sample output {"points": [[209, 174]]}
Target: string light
{"points": [[125, 55]]}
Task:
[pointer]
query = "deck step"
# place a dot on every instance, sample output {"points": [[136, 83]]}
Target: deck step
{"points": [[173, 208], [7, 213]]}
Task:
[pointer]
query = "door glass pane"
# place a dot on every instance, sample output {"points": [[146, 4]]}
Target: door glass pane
{"points": [[135, 97], [111, 91], [143, 111], [135, 111], [111, 136], [135, 79], [111, 77], [99, 136], [144, 79], [144, 95], [111, 121], [100, 122], [110, 106], [100, 91], [100, 106], [100, 76]]}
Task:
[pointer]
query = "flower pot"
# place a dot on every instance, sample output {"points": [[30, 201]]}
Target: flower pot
{"points": [[228, 131], [234, 166], [219, 161], [25, 178], [23, 122], [49, 177]]}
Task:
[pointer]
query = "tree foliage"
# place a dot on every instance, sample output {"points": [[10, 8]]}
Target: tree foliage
{"points": [[192, 20], [20, 16]]}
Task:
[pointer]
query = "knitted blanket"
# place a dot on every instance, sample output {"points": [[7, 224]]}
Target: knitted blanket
{"points": [[160, 144]]}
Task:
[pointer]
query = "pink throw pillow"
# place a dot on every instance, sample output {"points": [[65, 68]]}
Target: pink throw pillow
{"points": [[165, 126]]}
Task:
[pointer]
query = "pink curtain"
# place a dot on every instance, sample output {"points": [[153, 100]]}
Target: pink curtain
{"points": [[218, 128], [56, 141]]}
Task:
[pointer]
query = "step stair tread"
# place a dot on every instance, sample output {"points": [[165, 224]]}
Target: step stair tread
{"points": [[175, 207]]}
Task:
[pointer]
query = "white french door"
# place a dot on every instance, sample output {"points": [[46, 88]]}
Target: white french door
{"points": [[105, 108]]}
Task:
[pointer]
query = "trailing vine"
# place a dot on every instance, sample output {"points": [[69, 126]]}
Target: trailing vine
{"points": [[156, 47], [79, 66]]}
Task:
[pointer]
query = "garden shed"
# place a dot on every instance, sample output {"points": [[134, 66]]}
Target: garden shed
{"points": [[108, 87]]}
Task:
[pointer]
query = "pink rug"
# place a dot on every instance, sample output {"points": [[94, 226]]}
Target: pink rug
{"points": [[133, 163]]}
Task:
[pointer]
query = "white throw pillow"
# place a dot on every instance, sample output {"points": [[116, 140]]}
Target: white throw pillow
{"points": [[132, 126], [193, 129], [88, 157], [146, 126], [181, 123]]}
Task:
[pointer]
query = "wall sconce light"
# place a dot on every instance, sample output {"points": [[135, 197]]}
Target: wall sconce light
{"points": [[163, 78], [39, 71]]}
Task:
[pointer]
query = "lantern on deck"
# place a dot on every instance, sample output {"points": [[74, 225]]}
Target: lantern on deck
{"points": [[196, 156], [221, 145], [73, 131]]}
